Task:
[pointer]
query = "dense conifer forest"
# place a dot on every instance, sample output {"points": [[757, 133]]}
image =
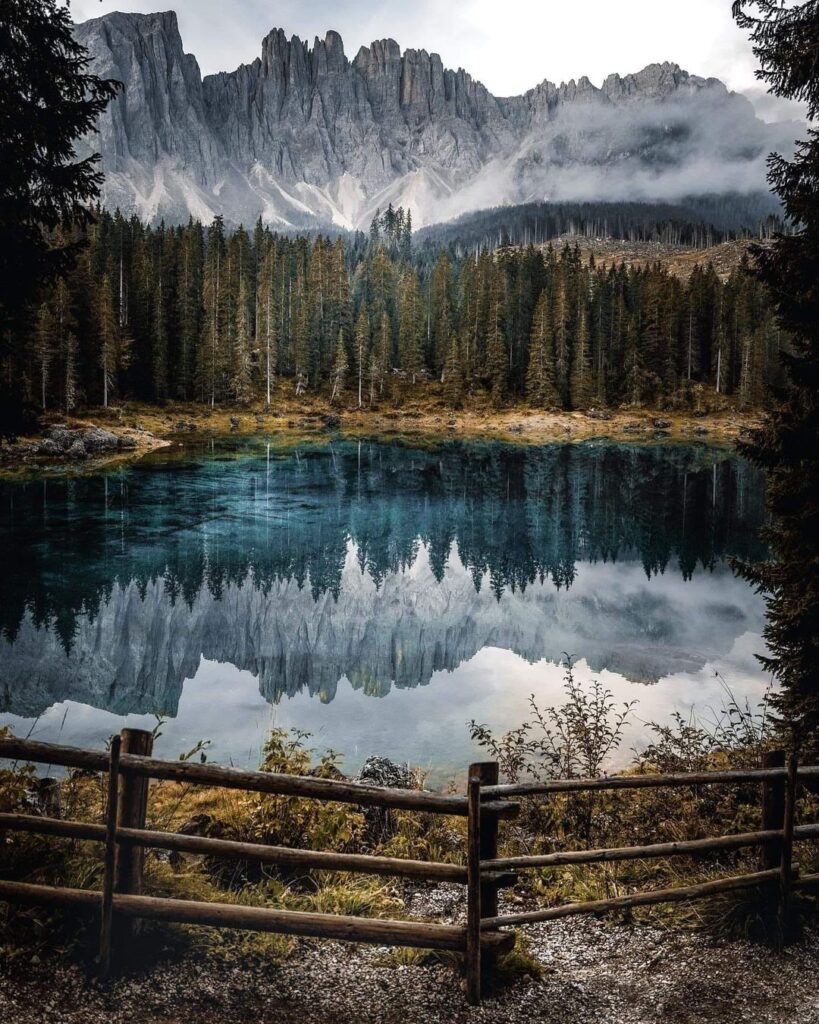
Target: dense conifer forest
{"points": [[198, 313]]}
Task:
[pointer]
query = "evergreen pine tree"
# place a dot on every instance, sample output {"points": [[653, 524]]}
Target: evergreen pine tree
{"points": [[540, 377], [44, 346], [581, 383], [241, 377], [340, 368], [114, 344], [453, 369], [362, 352], [785, 41], [496, 355], [70, 349], [212, 355], [410, 326]]}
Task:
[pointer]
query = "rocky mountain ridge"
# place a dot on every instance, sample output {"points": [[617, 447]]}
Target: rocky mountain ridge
{"points": [[304, 136], [134, 653]]}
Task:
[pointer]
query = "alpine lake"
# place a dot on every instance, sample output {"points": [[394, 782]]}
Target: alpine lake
{"points": [[376, 596]]}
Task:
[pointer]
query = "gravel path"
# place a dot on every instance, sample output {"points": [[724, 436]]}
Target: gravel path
{"points": [[594, 974]]}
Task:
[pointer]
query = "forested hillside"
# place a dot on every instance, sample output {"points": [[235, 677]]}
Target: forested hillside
{"points": [[195, 313], [700, 222]]}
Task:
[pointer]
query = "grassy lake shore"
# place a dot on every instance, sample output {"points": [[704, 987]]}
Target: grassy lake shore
{"points": [[422, 420]]}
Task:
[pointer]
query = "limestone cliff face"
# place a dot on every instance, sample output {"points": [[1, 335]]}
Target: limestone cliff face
{"points": [[304, 135]]}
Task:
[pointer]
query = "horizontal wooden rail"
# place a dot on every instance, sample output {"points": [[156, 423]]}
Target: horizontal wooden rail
{"points": [[12, 749], [518, 789], [307, 787], [320, 861], [429, 871], [654, 851], [270, 783], [52, 827], [638, 899], [273, 784], [283, 922]]}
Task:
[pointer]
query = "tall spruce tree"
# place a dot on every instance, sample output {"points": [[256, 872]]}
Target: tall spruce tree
{"points": [[48, 101], [340, 367], [114, 343], [540, 378], [786, 43]]}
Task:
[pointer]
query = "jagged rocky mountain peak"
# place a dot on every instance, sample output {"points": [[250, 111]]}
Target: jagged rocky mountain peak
{"points": [[304, 136]]}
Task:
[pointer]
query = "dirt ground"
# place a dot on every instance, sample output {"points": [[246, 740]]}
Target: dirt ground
{"points": [[591, 973]]}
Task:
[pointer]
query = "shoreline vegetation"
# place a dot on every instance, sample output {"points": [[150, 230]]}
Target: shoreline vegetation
{"points": [[137, 429], [574, 739]]}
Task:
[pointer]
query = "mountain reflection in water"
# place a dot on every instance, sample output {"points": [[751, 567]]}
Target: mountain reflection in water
{"points": [[366, 565]]}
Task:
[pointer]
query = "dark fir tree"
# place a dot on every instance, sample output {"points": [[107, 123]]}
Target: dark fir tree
{"points": [[215, 315], [48, 100], [786, 42]]}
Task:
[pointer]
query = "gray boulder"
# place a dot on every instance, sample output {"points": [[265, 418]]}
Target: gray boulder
{"points": [[77, 450], [50, 449], [61, 437], [381, 771], [96, 440]]}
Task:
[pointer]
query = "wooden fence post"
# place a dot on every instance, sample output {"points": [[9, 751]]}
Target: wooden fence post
{"points": [[473, 905], [489, 775], [786, 862], [132, 809], [773, 810], [111, 812]]}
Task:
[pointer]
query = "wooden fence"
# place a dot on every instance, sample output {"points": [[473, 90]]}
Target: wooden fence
{"points": [[130, 767]]}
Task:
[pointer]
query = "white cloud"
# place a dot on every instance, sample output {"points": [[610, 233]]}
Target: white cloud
{"points": [[509, 45]]}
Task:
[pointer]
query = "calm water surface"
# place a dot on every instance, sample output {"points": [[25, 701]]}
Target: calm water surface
{"points": [[376, 596]]}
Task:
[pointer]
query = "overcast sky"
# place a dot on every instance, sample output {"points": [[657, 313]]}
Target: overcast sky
{"points": [[509, 45]]}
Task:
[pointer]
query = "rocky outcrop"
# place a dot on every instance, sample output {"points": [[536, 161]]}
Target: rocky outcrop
{"points": [[304, 135], [61, 442]]}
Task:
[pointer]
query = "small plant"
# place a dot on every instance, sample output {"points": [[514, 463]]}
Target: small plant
{"points": [[571, 741]]}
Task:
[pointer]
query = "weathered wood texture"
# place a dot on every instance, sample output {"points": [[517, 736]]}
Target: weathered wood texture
{"points": [[132, 763], [786, 862], [313, 859], [132, 811], [638, 899], [111, 852], [474, 885], [691, 848], [773, 808], [12, 749], [614, 782], [131, 767], [306, 787], [488, 772], [52, 827], [283, 922]]}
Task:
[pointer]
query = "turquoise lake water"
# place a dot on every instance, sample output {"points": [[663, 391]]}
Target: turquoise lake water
{"points": [[374, 595]]}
